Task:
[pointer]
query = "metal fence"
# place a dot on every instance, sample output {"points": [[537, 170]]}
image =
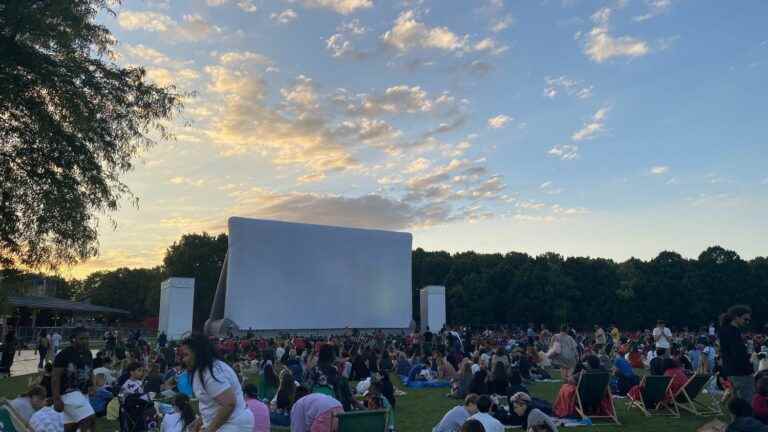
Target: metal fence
{"points": [[30, 334]]}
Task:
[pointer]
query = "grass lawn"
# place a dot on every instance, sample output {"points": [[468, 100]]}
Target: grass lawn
{"points": [[421, 409]]}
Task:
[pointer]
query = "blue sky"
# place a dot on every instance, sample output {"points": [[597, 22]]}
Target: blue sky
{"points": [[602, 128]]}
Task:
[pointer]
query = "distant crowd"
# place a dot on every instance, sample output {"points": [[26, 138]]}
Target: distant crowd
{"points": [[251, 383]]}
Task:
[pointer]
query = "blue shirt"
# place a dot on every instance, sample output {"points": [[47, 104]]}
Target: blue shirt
{"points": [[623, 366]]}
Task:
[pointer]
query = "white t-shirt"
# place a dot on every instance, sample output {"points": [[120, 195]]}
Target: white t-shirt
{"points": [[241, 418], [663, 341], [172, 423], [490, 424], [712, 330], [47, 420]]}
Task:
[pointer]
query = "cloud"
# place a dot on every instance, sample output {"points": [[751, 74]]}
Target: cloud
{"points": [[180, 180], [214, 3], [600, 45], [500, 24], [564, 211], [397, 100], [499, 121], [565, 151], [418, 165], [236, 57], [285, 17], [478, 68], [192, 28], [594, 128], [659, 169], [344, 7], [567, 85], [366, 211], [301, 95], [340, 43], [247, 6], [549, 188], [655, 8], [409, 33]]}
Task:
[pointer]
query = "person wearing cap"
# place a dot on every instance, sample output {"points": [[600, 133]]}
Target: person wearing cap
{"points": [[522, 404], [456, 416]]}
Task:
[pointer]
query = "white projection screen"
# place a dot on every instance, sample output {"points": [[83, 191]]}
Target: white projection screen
{"points": [[292, 276]]}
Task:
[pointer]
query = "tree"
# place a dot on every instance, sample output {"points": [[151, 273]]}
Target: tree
{"points": [[71, 121], [199, 256], [124, 288]]}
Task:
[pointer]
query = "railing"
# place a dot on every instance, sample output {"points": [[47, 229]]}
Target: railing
{"points": [[30, 334]]}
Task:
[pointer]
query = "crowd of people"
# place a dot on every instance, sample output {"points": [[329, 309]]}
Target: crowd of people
{"points": [[251, 383]]}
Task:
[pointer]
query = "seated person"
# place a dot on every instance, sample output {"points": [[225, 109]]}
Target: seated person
{"points": [[456, 416], [105, 369], [374, 400], [283, 401], [671, 369], [479, 384], [314, 412], [490, 424], [24, 406], [182, 417], [522, 405], [760, 399], [135, 382], [268, 382], [624, 375], [565, 404], [742, 418], [635, 359], [46, 419], [656, 365], [403, 366], [472, 426], [259, 409], [153, 382], [101, 395]]}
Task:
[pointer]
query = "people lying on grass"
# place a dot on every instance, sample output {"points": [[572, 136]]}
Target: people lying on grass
{"points": [[25, 405], [522, 405], [565, 403], [314, 412], [490, 423], [760, 399], [743, 420], [453, 420]]}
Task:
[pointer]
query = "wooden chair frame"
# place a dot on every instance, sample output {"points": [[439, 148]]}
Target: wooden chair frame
{"points": [[664, 407], [607, 392]]}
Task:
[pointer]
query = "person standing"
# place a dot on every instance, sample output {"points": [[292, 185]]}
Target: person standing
{"points": [[662, 336], [564, 352], [9, 352], [56, 342], [43, 345], [733, 351], [71, 381]]}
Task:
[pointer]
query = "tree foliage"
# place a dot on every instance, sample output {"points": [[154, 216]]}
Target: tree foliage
{"points": [[135, 290], [199, 256], [71, 121]]}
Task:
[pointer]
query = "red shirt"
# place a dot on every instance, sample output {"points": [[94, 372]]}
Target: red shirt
{"points": [[760, 407]]}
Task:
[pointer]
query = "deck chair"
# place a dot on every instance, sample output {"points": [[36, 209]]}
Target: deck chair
{"points": [[368, 421], [656, 397], [591, 389], [9, 422], [685, 398]]}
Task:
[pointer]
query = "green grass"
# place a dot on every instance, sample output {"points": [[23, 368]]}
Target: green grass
{"points": [[421, 409]]}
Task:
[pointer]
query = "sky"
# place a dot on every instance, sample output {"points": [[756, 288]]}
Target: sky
{"points": [[593, 128]]}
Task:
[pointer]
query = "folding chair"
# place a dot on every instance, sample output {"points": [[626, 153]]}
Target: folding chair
{"points": [[656, 397], [591, 389], [9, 422], [686, 396], [369, 421]]}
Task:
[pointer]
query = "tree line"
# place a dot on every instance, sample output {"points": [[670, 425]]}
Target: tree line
{"points": [[488, 289]]}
